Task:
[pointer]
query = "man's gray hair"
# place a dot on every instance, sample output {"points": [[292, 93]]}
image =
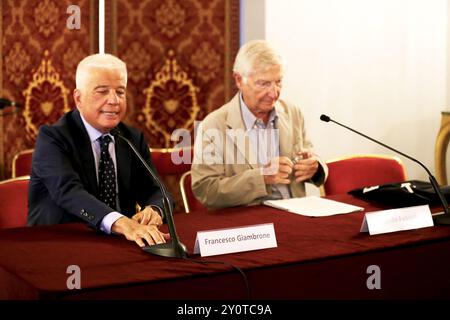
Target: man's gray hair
{"points": [[256, 55], [101, 61]]}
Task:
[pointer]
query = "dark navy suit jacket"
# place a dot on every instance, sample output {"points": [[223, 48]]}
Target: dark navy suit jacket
{"points": [[63, 186]]}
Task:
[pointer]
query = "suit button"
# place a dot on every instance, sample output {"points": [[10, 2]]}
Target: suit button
{"points": [[83, 213], [91, 218]]}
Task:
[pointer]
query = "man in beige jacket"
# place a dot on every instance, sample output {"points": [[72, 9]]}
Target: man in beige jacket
{"points": [[255, 147]]}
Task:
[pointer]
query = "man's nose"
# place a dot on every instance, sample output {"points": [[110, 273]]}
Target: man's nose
{"points": [[273, 91], [113, 98]]}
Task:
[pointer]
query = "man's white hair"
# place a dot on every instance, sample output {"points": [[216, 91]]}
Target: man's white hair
{"points": [[101, 61], [256, 55]]}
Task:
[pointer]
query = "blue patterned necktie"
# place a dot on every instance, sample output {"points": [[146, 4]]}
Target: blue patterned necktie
{"points": [[106, 174]]}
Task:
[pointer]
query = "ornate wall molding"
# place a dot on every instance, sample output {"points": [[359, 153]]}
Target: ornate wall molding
{"points": [[170, 92], [46, 97]]}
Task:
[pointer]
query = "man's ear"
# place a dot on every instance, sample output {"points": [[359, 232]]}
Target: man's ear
{"points": [[238, 80], [77, 97]]}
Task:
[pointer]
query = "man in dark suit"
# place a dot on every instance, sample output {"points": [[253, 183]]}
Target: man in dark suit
{"points": [[81, 172]]}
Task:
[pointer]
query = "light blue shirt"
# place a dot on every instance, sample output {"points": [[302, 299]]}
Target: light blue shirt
{"points": [[265, 140], [94, 134]]}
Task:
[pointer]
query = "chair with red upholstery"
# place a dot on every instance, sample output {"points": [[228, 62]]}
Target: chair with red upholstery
{"points": [[357, 171], [14, 202], [170, 164], [170, 161], [190, 202], [21, 163]]}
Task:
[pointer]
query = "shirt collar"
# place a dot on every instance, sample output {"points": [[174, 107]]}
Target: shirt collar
{"points": [[93, 133], [249, 117]]}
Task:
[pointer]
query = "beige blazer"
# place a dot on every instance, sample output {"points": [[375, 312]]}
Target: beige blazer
{"points": [[224, 170]]}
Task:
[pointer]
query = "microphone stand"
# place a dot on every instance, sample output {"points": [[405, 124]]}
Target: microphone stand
{"points": [[443, 219], [174, 248]]}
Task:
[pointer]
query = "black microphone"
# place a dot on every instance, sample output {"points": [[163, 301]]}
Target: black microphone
{"points": [[7, 103], [174, 248], [439, 219]]}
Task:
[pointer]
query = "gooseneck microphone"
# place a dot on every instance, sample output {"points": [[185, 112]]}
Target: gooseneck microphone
{"points": [[438, 219], [174, 248]]}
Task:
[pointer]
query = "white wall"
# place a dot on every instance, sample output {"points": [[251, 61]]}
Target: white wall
{"points": [[252, 17], [379, 66]]}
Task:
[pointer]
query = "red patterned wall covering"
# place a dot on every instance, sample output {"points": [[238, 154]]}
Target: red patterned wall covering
{"points": [[179, 56], [38, 59]]}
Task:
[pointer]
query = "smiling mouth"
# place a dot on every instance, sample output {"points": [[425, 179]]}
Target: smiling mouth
{"points": [[110, 113]]}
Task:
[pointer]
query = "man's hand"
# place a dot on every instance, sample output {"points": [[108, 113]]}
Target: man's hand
{"points": [[306, 166], [134, 231], [278, 171], [148, 216]]}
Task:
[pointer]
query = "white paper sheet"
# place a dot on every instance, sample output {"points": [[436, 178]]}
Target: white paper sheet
{"points": [[313, 206]]}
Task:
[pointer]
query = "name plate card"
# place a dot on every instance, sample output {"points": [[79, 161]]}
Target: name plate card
{"points": [[222, 241], [392, 220]]}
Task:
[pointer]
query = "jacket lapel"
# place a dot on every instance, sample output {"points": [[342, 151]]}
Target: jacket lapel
{"points": [[285, 137], [234, 122], [84, 148]]}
